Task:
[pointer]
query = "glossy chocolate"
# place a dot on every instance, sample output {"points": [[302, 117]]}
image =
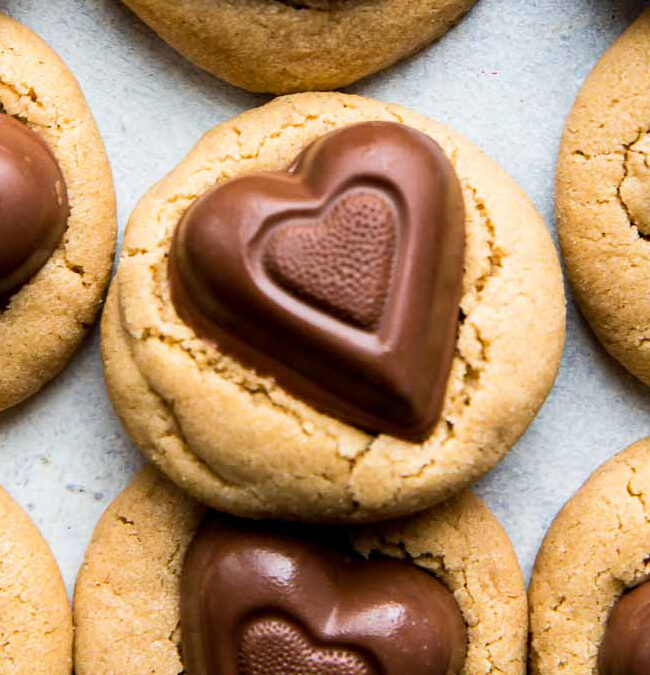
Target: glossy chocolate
{"points": [[340, 278], [268, 599], [33, 204], [625, 649]]}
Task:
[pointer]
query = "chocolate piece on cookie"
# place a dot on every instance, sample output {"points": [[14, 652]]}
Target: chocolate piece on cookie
{"points": [[267, 599], [34, 203], [625, 649]]}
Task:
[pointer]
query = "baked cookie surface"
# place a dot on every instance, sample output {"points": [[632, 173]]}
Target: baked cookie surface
{"points": [[36, 627], [603, 199], [240, 443], [127, 597], [596, 549], [43, 322], [285, 46]]}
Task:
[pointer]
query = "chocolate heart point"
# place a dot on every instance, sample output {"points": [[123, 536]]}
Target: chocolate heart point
{"points": [[342, 262], [340, 278], [273, 646]]}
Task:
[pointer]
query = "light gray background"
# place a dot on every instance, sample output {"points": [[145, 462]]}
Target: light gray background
{"points": [[506, 77]]}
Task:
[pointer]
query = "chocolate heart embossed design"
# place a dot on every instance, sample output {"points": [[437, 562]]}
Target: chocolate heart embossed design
{"points": [[269, 599], [273, 646], [34, 206], [340, 277]]}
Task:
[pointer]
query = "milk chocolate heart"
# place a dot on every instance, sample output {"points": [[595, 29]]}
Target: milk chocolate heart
{"points": [[340, 277], [33, 203], [268, 599]]}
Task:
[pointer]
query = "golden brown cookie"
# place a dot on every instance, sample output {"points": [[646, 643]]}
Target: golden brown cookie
{"points": [[285, 46], [43, 321], [596, 549], [127, 596], [36, 627], [240, 443], [603, 199]]}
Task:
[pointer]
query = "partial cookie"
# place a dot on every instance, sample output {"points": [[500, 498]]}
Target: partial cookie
{"points": [[284, 46], [603, 199], [595, 552], [128, 595], [58, 223], [36, 626]]}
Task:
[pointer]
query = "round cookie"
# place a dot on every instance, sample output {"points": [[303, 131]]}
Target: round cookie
{"points": [[603, 199], [597, 548], [128, 592], [43, 321], [36, 628], [286, 46], [240, 443]]}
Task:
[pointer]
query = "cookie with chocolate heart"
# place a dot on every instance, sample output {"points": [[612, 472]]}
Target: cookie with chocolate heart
{"points": [[440, 593], [333, 309], [57, 215], [36, 626], [589, 594], [282, 46]]}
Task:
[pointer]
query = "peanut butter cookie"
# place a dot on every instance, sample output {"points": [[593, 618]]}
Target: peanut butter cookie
{"points": [[36, 627], [58, 223], [285, 46], [138, 575], [589, 594], [288, 369], [603, 199]]}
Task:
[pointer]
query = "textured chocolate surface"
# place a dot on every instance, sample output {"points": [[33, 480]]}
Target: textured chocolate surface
{"points": [[268, 599], [340, 277], [33, 204], [343, 262], [625, 649]]}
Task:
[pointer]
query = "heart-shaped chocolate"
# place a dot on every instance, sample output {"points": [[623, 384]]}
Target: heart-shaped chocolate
{"points": [[340, 277], [269, 599], [33, 203]]}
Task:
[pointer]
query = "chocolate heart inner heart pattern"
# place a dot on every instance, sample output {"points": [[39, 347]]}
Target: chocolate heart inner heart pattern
{"points": [[278, 599], [272, 646], [340, 278], [342, 263]]}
